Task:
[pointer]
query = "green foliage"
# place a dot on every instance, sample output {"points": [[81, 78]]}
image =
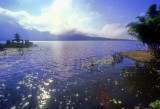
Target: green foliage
{"points": [[1, 47], [137, 107], [8, 42], [147, 28], [17, 38], [155, 105], [28, 44], [114, 101], [152, 11], [16, 43]]}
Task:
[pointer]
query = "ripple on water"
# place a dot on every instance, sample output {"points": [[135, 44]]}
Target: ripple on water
{"points": [[58, 75]]}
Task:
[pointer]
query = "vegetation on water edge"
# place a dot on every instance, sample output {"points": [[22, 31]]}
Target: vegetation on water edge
{"points": [[147, 29], [155, 104], [17, 42]]}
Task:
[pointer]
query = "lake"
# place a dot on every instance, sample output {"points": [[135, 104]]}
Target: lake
{"points": [[76, 75]]}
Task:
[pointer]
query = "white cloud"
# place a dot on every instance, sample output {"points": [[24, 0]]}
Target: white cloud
{"points": [[17, 15], [115, 30], [58, 18], [62, 16]]}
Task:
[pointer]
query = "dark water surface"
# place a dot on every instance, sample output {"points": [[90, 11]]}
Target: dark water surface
{"points": [[65, 75]]}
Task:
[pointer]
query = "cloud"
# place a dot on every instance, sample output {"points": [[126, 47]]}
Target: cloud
{"points": [[15, 16], [62, 16], [58, 18], [115, 30]]}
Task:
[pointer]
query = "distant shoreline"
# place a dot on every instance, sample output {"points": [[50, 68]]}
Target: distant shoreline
{"points": [[80, 40]]}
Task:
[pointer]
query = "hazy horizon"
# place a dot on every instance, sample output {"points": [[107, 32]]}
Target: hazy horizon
{"points": [[44, 20]]}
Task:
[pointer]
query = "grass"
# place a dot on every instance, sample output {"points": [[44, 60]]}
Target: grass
{"points": [[139, 55]]}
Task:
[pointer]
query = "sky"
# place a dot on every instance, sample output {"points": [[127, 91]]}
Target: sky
{"points": [[102, 18]]}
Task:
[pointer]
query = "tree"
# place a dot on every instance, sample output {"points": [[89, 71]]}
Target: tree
{"points": [[147, 29], [1, 47], [17, 38], [8, 42]]}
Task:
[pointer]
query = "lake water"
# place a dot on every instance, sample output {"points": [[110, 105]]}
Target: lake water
{"points": [[66, 75]]}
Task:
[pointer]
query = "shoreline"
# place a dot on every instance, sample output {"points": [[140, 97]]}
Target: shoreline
{"points": [[140, 55], [136, 55], [12, 51]]}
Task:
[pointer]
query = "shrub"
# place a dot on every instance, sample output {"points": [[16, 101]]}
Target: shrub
{"points": [[155, 104], [8, 42]]}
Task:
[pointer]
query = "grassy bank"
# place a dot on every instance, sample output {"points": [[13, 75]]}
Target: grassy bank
{"points": [[141, 56]]}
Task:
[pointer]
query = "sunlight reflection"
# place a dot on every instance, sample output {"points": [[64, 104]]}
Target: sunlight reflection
{"points": [[57, 50], [43, 96], [14, 107], [25, 104], [33, 82]]}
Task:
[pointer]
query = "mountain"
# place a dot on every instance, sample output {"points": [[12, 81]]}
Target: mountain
{"points": [[78, 37], [9, 27]]}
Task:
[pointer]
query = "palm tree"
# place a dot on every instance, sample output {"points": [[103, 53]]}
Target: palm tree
{"points": [[147, 29], [17, 38]]}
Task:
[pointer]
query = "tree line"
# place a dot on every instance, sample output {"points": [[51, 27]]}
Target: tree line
{"points": [[17, 42]]}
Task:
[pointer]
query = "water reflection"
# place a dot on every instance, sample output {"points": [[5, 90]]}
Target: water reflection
{"points": [[43, 96], [60, 76], [104, 100], [143, 82], [140, 84]]}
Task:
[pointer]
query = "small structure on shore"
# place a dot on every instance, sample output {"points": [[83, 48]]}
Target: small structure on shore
{"points": [[17, 42]]}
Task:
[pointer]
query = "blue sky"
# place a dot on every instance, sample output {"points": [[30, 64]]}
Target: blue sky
{"points": [[103, 18]]}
